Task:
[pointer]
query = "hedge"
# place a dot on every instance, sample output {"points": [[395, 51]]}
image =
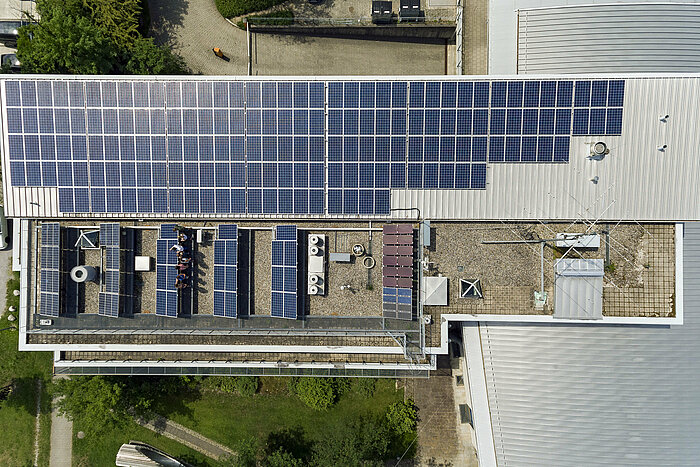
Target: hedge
{"points": [[233, 8]]}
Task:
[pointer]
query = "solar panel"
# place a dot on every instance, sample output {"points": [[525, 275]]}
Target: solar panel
{"points": [[226, 271], [284, 272], [166, 273], [243, 135], [50, 274]]}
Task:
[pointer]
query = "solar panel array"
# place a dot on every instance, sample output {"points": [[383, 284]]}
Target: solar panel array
{"points": [[166, 260], [226, 271], [50, 279], [284, 272], [308, 148], [397, 271], [110, 236]]}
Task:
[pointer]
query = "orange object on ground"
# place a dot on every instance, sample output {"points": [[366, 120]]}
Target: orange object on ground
{"points": [[218, 52]]}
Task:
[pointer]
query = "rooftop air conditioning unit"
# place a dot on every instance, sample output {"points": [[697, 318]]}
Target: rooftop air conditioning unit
{"points": [[316, 265]]}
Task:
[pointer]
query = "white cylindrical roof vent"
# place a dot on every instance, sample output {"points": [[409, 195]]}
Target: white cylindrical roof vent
{"points": [[313, 250], [313, 290], [599, 149], [314, 239], [313, 279], [82, 274]]}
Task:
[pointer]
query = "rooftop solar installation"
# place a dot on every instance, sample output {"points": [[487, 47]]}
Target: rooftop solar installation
{"points": [[299, 147], [284, 272], [226, 271], [166, 260], [397, 271], [110, 236], [50, 282]]}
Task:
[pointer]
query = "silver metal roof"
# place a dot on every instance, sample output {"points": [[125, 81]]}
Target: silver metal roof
{"points": [[578, 288], [618, 27], [635, 181], [615, 38], [598, 395]]}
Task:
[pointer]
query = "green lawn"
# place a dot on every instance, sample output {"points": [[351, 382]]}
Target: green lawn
{"points": [[229, 419], [102, 449], [17, 414]]}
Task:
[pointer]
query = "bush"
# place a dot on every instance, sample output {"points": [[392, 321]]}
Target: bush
{"points": [[402, 417], [246, 385], [317, 393], [243, 385], [274, 18], [365, 387], [232, 8]]}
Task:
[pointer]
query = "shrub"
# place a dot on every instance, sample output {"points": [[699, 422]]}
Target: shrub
{"points": [[243, 385], [317, 393], [402, 417], [233, 8], [365, 387], [246, 385], [274, 18]]}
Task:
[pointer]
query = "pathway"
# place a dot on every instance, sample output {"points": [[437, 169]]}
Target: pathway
{"points": [[440, 439], [185, 436], [37, 429], [61, 439]]}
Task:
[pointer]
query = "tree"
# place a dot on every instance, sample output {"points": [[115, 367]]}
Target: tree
{"points": [[146, 58], [92, 37], [65, 44], [97, 401], [118, 19], [290, 443], [317, 393], [363, 442], [282, 459], [402, 417]]}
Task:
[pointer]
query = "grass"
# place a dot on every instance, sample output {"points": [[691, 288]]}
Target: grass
{"points": [[19, 411], [101, 449], [230, 419]]}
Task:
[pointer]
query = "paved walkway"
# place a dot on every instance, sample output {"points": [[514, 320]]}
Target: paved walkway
{"points": [[185, 436], [440, 441], [61, 440]]}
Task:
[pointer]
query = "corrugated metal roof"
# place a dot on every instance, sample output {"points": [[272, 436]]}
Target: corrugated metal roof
{"points": [[598, 395], [503, 26], [635, 181], [614, 38], [578, 288]]}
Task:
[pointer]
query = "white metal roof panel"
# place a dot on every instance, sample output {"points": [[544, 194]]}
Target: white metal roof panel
{"points": [[503, 27], [616, 38], [565, 395]]}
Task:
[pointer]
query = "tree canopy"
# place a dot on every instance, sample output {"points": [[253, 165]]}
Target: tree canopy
{"points": [[92, 37]]}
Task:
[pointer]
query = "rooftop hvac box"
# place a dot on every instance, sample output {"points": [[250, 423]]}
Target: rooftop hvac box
{"points": [[381, 12], [409, 10]]}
